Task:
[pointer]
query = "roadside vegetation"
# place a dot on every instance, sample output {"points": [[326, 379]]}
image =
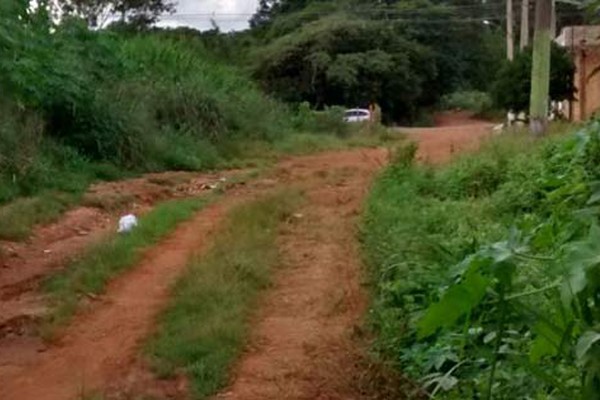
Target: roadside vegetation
{"points": [[88, 275], [137, 104], [80, 105], [205, 325], [485, 271]]}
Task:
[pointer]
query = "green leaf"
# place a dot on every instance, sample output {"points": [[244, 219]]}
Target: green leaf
{"points": [[585, 343], [579, 258], [456, 302], [594, 198], [546, 343]]}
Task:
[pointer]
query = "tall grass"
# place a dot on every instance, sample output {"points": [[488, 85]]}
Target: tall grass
{"points": [[77, 98], [204, 327]]}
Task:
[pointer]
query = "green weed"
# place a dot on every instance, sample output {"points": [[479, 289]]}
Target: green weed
{"points": [[204, 327], [19, 217]]}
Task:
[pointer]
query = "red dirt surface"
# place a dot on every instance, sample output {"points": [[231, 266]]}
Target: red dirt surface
{"points": [[455, 132], [301, 345], [104, 339], [300, 348]]}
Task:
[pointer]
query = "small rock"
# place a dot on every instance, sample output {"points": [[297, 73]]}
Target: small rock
{"points": [[47, 251], [5, 266], [298, 216]]}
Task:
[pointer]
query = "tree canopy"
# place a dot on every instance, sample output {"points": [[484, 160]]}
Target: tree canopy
{"points": [[511, 89], [403, 55], [99, 12]]}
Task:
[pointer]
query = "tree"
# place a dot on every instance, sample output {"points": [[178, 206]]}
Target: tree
{"points": [[351, 52], [263, 14], [98, 12], [540, 68], [341, 60], [511, 91]]}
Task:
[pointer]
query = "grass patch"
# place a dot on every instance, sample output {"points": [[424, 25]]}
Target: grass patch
{"points": [[263, 153], [115, 254], [204, 327], [19, 217]]}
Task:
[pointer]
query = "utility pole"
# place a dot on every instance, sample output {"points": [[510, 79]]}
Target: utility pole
{"points": [[524, 36], [553, 21], [510, 46], [540, 71]]}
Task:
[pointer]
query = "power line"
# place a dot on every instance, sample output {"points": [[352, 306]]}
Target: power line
{"points": [[352, 10]]}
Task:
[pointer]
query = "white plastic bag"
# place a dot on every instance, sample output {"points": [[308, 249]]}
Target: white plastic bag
{"points": [[127, 223]]}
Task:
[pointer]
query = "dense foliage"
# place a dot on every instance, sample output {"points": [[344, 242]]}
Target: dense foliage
{"points": [[354, 53], [78, 104], [486, 271], [511, 91]]}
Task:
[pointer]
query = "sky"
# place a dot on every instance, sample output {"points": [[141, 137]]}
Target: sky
{"points": [[228, 14]]}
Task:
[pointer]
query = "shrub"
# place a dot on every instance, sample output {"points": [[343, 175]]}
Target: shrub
{"points": [[75, 99], [485, 273], [513, 84], [476, 101]]}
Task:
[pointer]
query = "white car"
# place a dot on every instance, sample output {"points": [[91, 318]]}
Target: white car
{"points": [[357, 115]]}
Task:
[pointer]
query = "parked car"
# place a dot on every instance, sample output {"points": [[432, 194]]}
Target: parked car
{"points": [[357, 115]]}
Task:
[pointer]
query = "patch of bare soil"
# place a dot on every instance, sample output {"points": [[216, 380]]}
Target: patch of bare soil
{"points": [[303, 344], [438, 145]]}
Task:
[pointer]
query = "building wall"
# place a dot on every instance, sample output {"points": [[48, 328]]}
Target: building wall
{"points": [[587, 97]]}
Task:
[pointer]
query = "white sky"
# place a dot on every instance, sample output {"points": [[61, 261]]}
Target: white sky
{"points": [[229, 14]]}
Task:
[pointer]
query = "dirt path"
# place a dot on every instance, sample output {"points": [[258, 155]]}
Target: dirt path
{"points": [[103, 340], [24, 264], [303, 336], [301, 347], [455, 132]]}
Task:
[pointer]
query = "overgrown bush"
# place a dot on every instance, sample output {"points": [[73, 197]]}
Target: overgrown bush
{"points": [[475, 101], [513, 85], [485, 272], [330, 120], [77, 100]]}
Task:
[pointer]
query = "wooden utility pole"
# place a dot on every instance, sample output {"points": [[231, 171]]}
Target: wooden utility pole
{"points": [[510, 46], [553, 21], [524, 36], [540, 71]]}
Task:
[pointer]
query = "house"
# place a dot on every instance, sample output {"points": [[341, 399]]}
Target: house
{"points": [[583, 42]]}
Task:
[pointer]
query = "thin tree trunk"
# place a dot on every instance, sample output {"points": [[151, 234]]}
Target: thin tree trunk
{"points": [[524, 36], [510, 46], [540, 71]]}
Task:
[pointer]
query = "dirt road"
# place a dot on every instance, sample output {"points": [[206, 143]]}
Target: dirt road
{"points": [[301, 345]]}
